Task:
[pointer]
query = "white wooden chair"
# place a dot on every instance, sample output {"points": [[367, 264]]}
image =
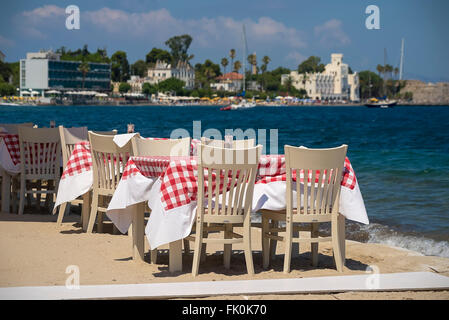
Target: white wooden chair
{"points": [[236, 168], [106, 133], [40, 159], [13, 128], [69, 138], [108, 162], [169, 147], [236, 144], [317, 203]]}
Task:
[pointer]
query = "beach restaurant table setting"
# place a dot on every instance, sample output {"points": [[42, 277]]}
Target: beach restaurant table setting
{"points": [[168, 185]]}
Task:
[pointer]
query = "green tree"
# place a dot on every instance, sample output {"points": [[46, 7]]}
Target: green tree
{"points": [[252, 60], [84, 68], [148, 88], [139, 68], [120, 67], [171, 85], [311, 65], [179, 46], [232, 56], [237, 66], [124, 87], [205, 73], [7, 89], [367, 78], [158, 54], [265, 61], [224, 63]]}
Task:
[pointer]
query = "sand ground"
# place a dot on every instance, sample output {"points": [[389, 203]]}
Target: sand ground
{"points": [[34, 251]]}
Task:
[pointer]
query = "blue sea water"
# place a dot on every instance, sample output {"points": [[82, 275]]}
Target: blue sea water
{"points": [[400, 155]]}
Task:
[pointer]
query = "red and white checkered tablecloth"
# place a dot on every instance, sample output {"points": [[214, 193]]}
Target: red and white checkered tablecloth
{"points": [[179, 175], [80, 160], [12, 144]]}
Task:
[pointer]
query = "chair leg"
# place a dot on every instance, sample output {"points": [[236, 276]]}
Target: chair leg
{"points": [[338, 241], [22, 195], [265, 243], [39, 195], [204, 246], [288, 246], [247, 247], [227, 247], [100, 218], [61, 213], [314, 246], [186, 246], [93, 212], [273, 243], [153, 256], [197, 249]]}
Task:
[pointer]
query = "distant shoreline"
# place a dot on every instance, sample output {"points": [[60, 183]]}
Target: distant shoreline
{"points": [[215, 105]]}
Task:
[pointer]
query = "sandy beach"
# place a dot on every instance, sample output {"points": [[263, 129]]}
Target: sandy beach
{"points": [[34, 251]]}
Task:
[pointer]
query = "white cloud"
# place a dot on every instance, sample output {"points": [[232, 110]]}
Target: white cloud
{"points": [[47, 11], [331, 33], [159, 25]]}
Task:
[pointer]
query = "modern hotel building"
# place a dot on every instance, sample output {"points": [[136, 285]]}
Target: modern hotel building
{"points": [[42, 71]]}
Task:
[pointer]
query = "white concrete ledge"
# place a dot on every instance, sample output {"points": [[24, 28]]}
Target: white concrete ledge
{"points": [[366, 282]]}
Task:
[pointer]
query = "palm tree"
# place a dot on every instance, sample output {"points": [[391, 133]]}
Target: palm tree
{"points": [[288, 84], [252, 59], [266, 60], [237, 66], [396, 72], [380, 69], [232, 56], [388, 69], [224, 63], [84, 69]]}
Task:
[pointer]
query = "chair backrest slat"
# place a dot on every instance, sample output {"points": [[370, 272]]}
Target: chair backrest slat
{"points": [[319, 173], [162, 147], [235, 170]]}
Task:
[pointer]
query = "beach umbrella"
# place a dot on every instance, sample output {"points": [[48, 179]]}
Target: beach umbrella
{"points": [[53, 92]]}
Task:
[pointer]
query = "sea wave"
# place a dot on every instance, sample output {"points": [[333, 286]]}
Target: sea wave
{"points": [[378, 233]]}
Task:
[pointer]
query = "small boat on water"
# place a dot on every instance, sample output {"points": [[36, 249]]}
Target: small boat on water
{"points": [[9, 104], [376, 103], [242, 105]]}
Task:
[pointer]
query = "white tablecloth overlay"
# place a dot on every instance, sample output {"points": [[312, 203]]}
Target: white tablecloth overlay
{"points": [[166, 226]]}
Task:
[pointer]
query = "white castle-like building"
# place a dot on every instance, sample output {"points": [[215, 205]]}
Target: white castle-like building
{"points": [[335, 83], [163, 71]]}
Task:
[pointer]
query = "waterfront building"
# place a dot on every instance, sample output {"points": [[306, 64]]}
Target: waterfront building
{"points": [[163, 71], [136, 83], [335, 83], [231, 81], [44, 70]]}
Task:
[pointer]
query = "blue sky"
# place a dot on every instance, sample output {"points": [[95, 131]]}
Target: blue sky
{"points": [[286, 30]]}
